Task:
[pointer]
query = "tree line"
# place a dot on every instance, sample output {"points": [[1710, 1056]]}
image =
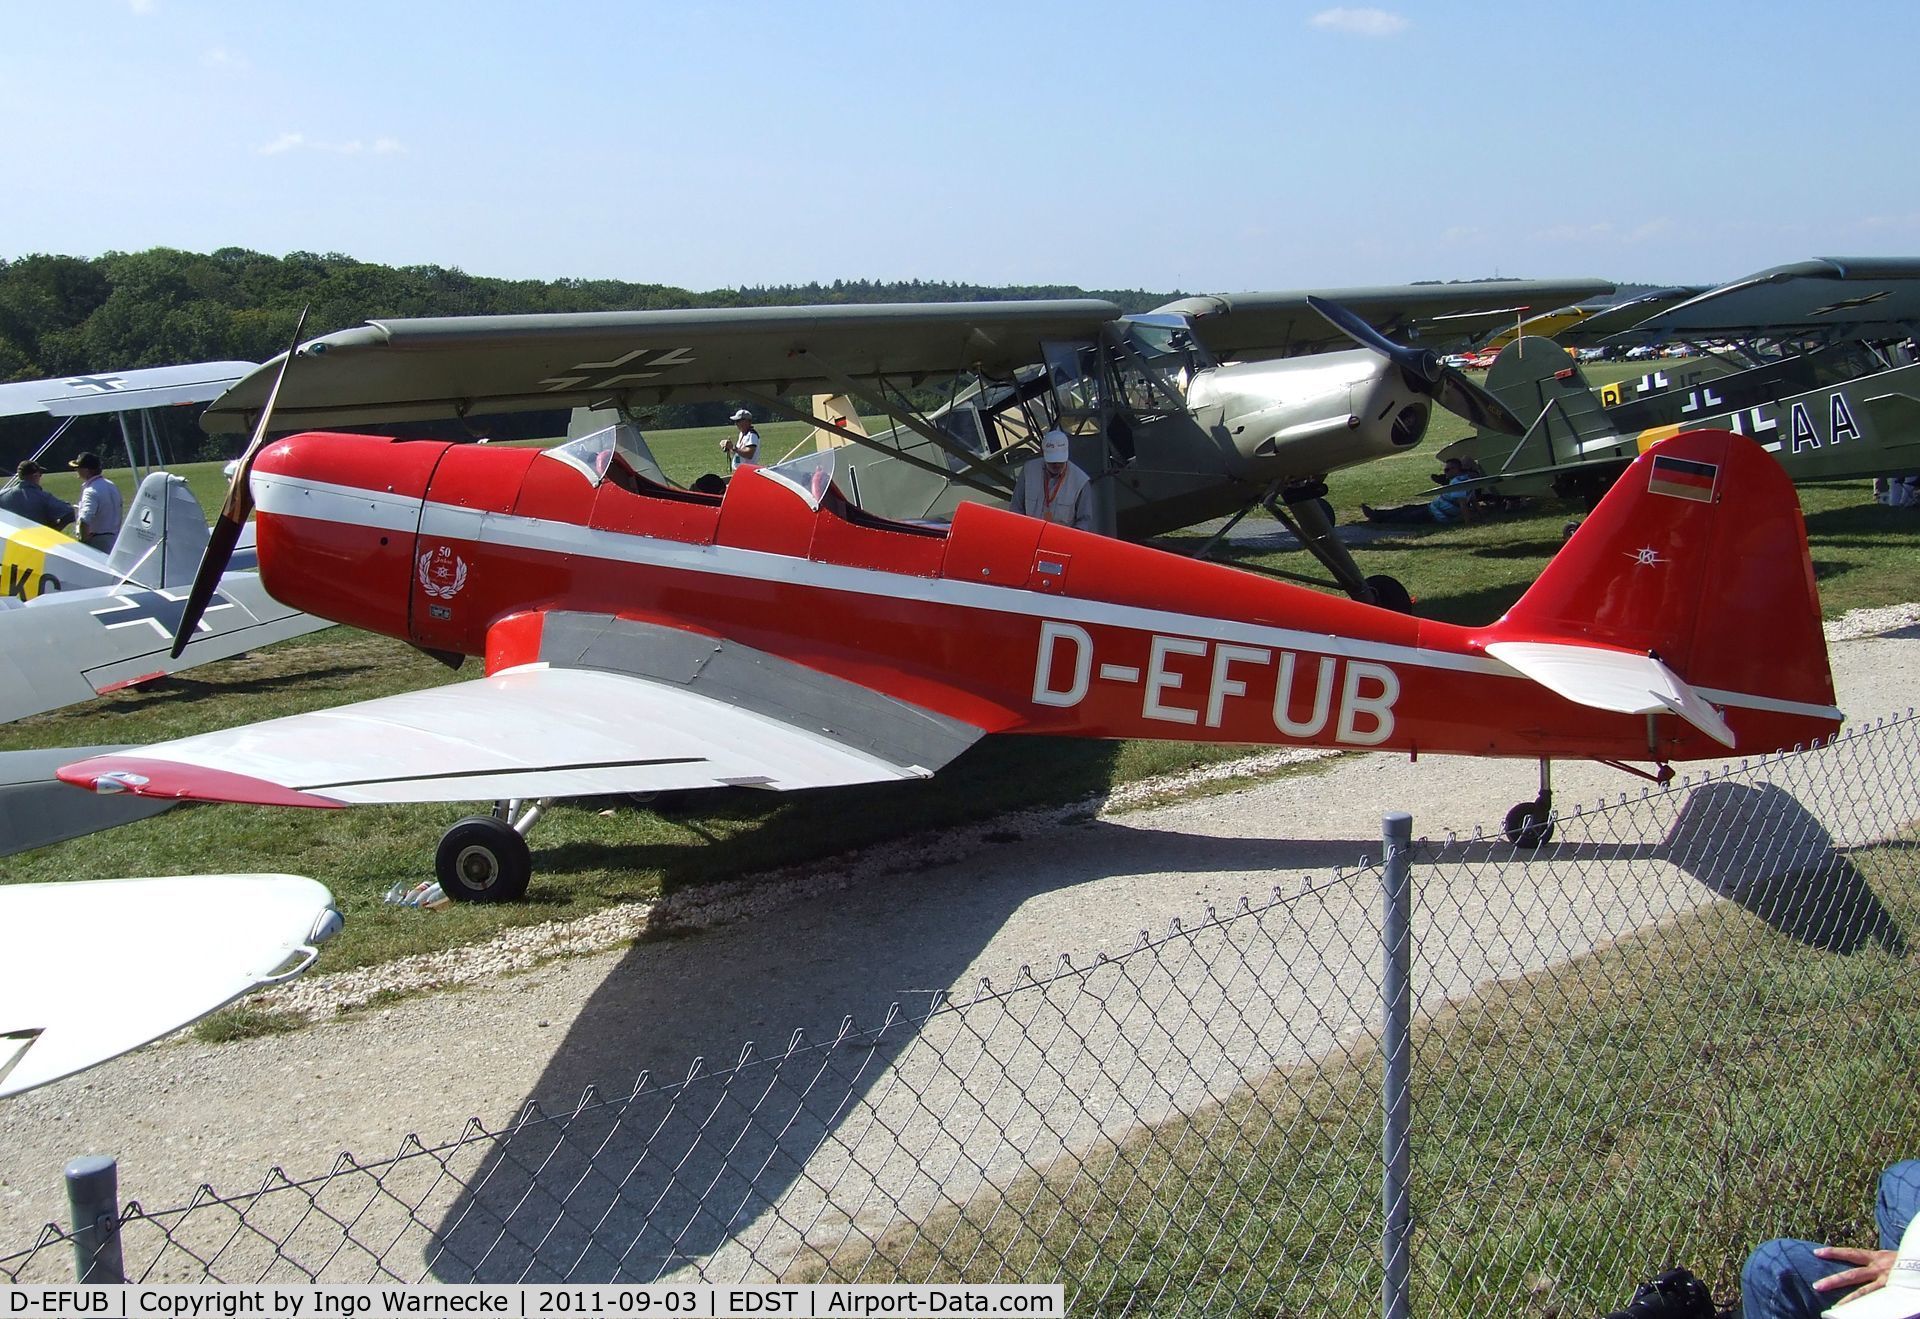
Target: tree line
{"points": [[65, 315]]}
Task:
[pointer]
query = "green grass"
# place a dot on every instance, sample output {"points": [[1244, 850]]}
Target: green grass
{"points": [[244, 1022], [589, 854], [1622, 1112]]}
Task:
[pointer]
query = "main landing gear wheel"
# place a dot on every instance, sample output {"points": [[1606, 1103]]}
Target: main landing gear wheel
{"points": [[1528, 825], [1388, 593], [483, 859]]}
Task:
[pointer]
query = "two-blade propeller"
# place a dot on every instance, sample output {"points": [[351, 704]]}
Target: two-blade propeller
{"points": [[1424, 372], [234, 511]]}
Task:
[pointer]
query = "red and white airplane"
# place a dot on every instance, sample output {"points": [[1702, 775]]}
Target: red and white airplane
{"points": [[639, 637]]}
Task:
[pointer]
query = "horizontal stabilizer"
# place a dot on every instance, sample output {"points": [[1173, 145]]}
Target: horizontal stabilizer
{"points": [[89, 971], [1617, 680]]}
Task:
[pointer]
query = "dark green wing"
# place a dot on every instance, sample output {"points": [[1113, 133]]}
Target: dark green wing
{"points": [[1255, 326], [403, 370]]}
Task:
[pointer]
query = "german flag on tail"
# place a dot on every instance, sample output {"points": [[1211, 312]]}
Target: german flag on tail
{"points": [[1683, 478]]}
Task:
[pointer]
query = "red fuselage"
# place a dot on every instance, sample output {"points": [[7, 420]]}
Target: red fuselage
{"points": [[1002, 621]]}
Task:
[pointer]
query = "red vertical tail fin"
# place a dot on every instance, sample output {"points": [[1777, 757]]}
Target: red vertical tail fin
{"points": [[1698, 557]]}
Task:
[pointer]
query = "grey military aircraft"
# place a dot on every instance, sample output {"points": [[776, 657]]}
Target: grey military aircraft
{"points": [[1205, 407], [1810, 369]]}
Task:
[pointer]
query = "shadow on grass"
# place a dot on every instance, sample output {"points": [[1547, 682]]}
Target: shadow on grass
{"points": [[179, 687], [732, 832], [1759, 847]]}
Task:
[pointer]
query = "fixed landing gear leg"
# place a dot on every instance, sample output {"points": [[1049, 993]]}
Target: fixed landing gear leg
{"points": [[1529, 824], [1310, 517]]}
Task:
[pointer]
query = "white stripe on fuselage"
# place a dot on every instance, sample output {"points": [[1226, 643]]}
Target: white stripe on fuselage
{"points": [[354, 506]]}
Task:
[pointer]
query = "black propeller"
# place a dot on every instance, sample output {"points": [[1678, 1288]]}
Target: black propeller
{"points": [[1425, 373], [234, 510]]}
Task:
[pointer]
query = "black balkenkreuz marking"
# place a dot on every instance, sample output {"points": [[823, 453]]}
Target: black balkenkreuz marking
{"points": [[161, 610], [1851, 304]]}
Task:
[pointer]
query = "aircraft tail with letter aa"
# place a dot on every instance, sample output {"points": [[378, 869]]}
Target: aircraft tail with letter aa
{"points": [[1695, 563]]}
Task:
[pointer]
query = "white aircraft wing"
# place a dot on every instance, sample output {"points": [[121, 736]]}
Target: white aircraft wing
{"points": [[70, 646], [89, 971], [120, 391], [680, 711]]}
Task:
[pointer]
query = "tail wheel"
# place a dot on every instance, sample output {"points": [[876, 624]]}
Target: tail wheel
{"points": [[1388, 593], [483, 859], [1529, 825]]}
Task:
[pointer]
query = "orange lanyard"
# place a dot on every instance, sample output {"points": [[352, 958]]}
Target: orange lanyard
{"points": [[1050, 487]]}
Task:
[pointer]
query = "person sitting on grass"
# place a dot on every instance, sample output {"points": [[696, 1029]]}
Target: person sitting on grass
{"points": [[1787, 1279], [1452, 504]]}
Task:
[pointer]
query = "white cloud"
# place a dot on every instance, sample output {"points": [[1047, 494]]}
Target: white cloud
{"points": [[141, 6], [222, 58], [381, 146], [1359, 22]]}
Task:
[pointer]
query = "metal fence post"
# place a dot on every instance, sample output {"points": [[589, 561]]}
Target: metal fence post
{"points": [[1396, 830], [93, 1198]]}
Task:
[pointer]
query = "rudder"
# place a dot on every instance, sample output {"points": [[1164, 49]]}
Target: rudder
{"points": [[163, 536]]}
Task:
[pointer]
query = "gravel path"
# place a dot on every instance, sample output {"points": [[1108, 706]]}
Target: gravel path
{"points": [[890, 925]]}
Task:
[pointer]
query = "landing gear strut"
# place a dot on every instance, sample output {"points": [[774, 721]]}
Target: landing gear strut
{"points": [[485, 858], [1529, 824], [1302, 508]]}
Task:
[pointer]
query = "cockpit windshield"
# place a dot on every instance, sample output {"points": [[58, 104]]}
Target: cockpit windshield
{"points": [[1157, 357], [810, 475], [593, 455]]}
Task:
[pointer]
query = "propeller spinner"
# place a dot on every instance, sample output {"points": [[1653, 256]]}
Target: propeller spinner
{"points": [[234, 511], [1425, 373]]}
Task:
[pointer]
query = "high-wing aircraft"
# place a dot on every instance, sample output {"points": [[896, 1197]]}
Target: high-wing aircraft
{"points": [[80, 623], [153, 955], [1836, 399], [1180, 415], [640, 638]]}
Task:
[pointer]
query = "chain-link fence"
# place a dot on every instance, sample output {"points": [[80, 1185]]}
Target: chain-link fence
{"points": [[1682, 1025]]}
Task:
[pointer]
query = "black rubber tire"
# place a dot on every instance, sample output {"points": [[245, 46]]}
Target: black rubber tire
{"points": [[1326, 508], [1527, 826], [1388, 593], [483, 859]]}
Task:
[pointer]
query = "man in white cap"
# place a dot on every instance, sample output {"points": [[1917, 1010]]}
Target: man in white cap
{"points": [[744, 447], [1787, 1279], [1053, 488]]}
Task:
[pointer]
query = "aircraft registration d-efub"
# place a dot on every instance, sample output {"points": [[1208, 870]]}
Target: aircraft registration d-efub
{"points": [[640, 638]]}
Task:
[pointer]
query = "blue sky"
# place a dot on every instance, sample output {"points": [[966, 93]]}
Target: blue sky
{"points": [[1207, 147]]}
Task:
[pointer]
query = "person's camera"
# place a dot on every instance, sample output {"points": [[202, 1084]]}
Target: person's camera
{"points": [[1675, 1294]]}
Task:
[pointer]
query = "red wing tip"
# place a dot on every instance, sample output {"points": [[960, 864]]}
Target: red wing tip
{"points": [[140, 777]]}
